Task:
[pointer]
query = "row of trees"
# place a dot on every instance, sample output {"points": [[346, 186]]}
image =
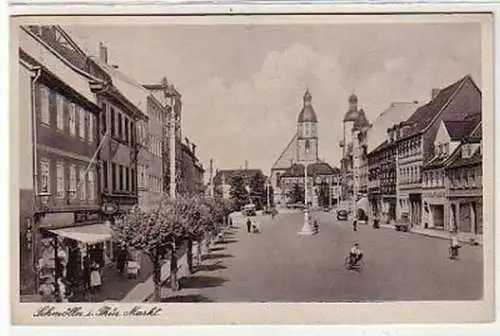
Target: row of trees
{"points": [[174, 224], [296, 194]]}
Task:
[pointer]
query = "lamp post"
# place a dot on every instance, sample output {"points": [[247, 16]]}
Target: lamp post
{"points": [[267, 194], [306, 228]]}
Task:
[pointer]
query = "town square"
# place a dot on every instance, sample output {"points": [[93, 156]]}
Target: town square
{"points": [[256, 163]]}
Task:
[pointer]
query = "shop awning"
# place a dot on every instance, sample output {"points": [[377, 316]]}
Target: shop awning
{"points": [[88, 234]]}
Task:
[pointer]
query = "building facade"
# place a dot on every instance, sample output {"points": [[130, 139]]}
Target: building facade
{"points": [[415, 141], [59, 184], [322, 184], [382, 159]]}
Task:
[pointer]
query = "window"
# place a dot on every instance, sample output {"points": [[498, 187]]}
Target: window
{"points": [[91, 182], [133, 180], [72, 119], [44, 105], [81, 122], [44, 176], [91, 128], [121, 176], [472, 175], [127, 179], [82, 185], [113, 176], [447, 148], [72, 178], [104, 112], [119, 121], [60, 180], [60, 112], [113, 126], [105, 174], [126, 130]]}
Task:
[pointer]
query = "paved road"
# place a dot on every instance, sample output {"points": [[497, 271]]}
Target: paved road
{"points": [[280, 265]]}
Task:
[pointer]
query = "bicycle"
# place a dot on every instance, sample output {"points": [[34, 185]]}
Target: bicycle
{"points": [[350, 266]]}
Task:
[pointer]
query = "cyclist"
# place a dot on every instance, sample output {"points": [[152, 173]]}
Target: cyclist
{"points": [[454, 244], [356, 254]]}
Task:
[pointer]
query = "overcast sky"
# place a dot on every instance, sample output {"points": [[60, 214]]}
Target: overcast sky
{"points": [[242, 86]]}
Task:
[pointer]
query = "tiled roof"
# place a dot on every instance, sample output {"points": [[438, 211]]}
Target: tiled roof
{"points": [[424, 115], [441, 160], [396, 113], [319, 168], [459, 161], [459, 129]]}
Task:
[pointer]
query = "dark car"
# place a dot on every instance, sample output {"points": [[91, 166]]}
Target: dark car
{"points": [[342, 214]]}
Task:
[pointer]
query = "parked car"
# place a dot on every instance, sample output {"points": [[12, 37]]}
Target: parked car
{"points": [[342, 214]]}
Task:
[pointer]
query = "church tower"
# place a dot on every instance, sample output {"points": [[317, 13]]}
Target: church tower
{"points": [[307, 132]]}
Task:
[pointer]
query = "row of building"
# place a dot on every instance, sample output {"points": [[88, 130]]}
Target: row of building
{"points": [[420, 163], [93, 143]]}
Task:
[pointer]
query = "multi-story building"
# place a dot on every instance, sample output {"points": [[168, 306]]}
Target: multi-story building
{"points": [[415, 141], [435, 184], [60, 196], [382, 160], [191, 176], [465, 187], [149, 129]]}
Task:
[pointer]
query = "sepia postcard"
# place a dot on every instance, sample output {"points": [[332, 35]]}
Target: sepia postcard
{"points": [[252, 169]]}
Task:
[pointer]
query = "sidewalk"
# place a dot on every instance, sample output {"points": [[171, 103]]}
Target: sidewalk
{"points": [[440, 234]]}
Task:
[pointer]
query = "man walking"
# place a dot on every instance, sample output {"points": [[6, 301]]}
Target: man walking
{"points": [[249, 225]]}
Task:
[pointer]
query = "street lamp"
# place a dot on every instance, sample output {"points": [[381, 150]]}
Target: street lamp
{"points": [[268, 184], [306, 228]]}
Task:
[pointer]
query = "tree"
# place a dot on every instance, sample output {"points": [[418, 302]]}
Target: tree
{"points": [[257, 186], [238, 191]]}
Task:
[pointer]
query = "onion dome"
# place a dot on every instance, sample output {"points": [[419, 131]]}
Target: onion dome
{"points": [[307, 114]]}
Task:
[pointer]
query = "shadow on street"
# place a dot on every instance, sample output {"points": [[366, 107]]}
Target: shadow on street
{"points": [[201, 281], [215, 249], [226, 241], [187, 298], [210, 268], [216, 256]]}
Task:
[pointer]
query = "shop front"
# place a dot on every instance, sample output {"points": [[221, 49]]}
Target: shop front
{"points": [[467, 215], [389, 203], [435, 210], [70, 256]]}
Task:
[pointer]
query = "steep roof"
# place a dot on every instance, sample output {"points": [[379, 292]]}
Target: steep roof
{"points": [[289, 150], [394, 114], [459, 129], [458, 161], [441, 160], [425, 114], [314, 169], [134, 91], [307, 113]]}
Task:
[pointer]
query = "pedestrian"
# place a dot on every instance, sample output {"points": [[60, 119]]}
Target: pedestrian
{"points": [[355, 224], [316, 226], [249, 225], [121, 260], [95, 276]]}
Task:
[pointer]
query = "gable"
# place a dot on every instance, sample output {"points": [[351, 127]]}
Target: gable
{"points": [[442, 135], [288, 156]]}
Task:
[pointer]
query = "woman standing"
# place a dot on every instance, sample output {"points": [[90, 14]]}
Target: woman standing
{"points": [[95, 276]]}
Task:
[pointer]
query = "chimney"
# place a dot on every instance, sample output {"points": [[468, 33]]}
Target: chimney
{"points": [[434, 93], [103, 52], [193, 148]]}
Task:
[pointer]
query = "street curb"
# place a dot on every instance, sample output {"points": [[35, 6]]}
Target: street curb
{"points": [[430, 235]]}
